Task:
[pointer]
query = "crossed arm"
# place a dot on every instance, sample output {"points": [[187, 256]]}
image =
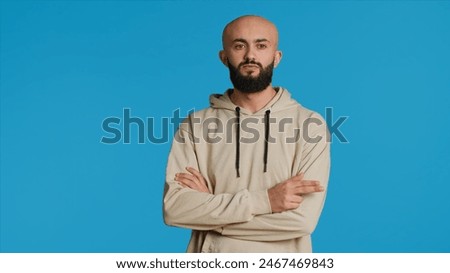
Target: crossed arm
{"points": [[288, 218], [284, 196]]}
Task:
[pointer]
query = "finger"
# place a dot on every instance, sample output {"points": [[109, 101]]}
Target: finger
{"points": [[192, 182], [304, 183], [187, 182], [200, 179], [192, 185], [185, 178], [309, 189], [201, 183], [184, 185], [196, 173]]}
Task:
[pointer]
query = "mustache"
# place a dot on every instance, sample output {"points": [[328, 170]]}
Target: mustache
{"points": [[250, 62]]}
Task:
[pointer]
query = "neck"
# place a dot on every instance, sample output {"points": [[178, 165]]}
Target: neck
{"points": [[253, 102]]}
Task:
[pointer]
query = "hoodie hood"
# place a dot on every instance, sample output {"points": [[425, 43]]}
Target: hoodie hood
{"points": [[281, 102]]}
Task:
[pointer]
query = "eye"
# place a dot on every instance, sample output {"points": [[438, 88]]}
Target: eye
{"points": [[239, 46], [261, 46]]}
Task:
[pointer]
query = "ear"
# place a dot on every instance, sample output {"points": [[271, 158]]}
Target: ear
{"points": [[223, 57], [277, 59]]}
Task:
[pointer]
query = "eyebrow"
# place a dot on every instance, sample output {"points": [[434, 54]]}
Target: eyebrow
{"points": [[245, 41], [262, 40]]}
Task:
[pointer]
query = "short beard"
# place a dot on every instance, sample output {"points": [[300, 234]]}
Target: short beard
{"points": [[248, 83]]}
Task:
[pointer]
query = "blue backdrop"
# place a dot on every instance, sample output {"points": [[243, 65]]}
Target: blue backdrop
{"points": [[68, 66]]}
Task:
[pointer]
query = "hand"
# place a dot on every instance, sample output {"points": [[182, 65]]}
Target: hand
{"points": [[193, 180], [288, 195]]}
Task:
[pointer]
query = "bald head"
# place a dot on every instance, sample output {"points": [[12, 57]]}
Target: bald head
{"points": [[250, 26]]}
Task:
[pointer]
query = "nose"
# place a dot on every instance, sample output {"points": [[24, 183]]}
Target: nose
{"points": [[250, 54]]}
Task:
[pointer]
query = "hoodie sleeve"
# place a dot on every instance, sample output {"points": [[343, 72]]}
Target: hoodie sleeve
{"points": [[315, 163], [188, 208]]}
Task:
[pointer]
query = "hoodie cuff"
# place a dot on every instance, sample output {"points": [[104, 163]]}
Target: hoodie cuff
{"points": [[259, 202]]}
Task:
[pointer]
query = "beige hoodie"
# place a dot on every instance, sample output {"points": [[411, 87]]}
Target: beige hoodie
{"points": [[237, 216]]}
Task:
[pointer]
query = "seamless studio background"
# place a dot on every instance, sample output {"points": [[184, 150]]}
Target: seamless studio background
{"points": [[68, 66]]}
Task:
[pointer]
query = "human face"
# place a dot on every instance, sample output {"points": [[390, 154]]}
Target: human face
{"points": [[250, 45]]}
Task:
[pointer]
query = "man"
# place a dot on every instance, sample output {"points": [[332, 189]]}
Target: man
{"points": [[249, 173]]}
